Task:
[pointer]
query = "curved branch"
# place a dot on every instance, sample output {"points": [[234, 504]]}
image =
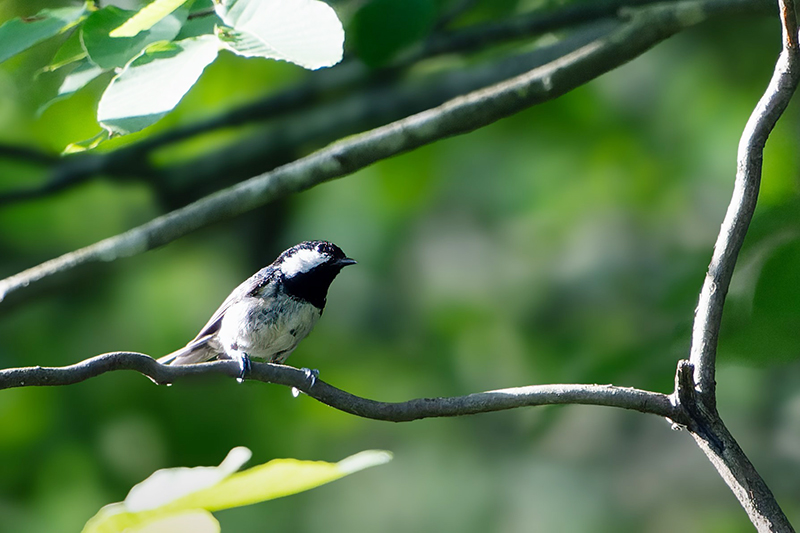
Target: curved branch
{"points": [[482, 402], [646, 27]]}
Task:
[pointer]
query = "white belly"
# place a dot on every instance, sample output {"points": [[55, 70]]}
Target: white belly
{"points": [[265, 331]]}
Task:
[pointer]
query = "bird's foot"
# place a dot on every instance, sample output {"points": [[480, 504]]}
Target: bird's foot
{"points": [[244, 367], [311, 377]]}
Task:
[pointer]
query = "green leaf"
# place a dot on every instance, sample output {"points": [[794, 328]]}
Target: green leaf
{"points": [[115, 52], [305, 32], [19, 34], [275, 479], [115, 519], [383, 28], [197, 521], [151, 503], [87, 144], [70, 52], [151, 85], [147, 17]]}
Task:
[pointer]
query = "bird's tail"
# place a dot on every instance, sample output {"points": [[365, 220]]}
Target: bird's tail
{"points": [[197, 351]]}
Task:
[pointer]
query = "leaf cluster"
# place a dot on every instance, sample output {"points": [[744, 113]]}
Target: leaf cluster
{"points": [[155, 55]]}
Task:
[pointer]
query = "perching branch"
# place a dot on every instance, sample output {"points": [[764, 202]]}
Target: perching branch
{"points": [[482, 402], [645, 28]]}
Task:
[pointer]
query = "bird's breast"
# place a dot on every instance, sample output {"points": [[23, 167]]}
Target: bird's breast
{"points": [[267, 329]]}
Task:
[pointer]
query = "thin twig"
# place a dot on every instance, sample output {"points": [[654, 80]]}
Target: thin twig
{"points": [[645, 28], [483, 402]]}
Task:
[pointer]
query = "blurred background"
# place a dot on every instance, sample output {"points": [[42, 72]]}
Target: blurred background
{"points": [[565, 244]]}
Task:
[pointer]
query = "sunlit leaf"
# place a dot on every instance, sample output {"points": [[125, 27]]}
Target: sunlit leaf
{"points": [[275, 479], [169, 484], [153, 83], [151, 506], [19, 34], [147, 17], [110, 52], [305, 32]]}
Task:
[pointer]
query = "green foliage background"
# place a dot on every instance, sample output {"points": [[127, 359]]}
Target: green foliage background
{"points": [[564, 244]]}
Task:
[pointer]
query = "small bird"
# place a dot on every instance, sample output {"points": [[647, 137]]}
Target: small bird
{"points": [[266, 317]]}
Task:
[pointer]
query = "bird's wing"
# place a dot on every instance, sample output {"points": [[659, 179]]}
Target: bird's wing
{"points": [[246, 288], [198, 349]]}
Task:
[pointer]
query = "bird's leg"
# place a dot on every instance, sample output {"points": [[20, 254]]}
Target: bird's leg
{"points": [[244, 365]]}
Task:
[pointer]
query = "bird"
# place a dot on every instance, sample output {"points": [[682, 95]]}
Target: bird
{"points": [[267, 316]]}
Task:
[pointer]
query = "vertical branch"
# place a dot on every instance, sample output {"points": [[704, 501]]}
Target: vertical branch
{"points": [[695, 392], [708, 316]]}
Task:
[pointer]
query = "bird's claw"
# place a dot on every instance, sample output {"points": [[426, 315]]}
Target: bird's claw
{"points": [[311, 376]]}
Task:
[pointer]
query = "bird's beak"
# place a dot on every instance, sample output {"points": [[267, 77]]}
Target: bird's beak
{"points": [[345, 262]]}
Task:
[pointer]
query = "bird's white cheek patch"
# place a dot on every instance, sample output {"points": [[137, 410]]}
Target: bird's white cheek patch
{"points": [[301, 261]]}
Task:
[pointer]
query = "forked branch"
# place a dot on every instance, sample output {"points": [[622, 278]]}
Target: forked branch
{"points": [[695, 385]]}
